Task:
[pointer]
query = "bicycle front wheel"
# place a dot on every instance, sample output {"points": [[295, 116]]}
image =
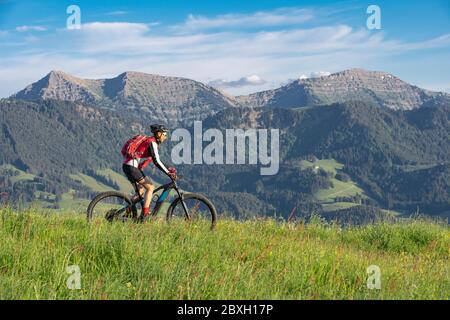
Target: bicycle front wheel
{"points": [[199, 208], [111, 205]]}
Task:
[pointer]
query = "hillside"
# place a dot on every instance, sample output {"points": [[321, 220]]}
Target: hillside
{"points": [[374, 87], [259, 259], [168, 99], [331, 158], [398, 158], [53, 136], [51, 141]]}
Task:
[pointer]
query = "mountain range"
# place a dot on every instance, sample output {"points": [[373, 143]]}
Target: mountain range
{"points": [[152, 96], [179, 100], [376, 87], [349, 140]]}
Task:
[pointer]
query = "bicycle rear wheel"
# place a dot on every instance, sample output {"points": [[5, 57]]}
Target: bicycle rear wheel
{"points": [[111, 205], [199, 207]]}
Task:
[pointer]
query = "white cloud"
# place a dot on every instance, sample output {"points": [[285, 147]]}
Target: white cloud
{"points": [[314, 74], [105, 49], [117, 13], [30, 28], [252, 80], [433, 86], [288, 81], [135, 38], [115, 27], [438, 42], [318, 74], [278, 17]]}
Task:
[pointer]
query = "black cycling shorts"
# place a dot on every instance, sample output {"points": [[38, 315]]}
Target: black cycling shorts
{"points": [[133, 174]]}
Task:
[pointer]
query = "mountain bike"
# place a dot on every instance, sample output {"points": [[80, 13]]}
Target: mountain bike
{"points": [[118, 206]]}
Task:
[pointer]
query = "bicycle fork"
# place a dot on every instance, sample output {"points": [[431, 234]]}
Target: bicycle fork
{"points": [[186, 211]]}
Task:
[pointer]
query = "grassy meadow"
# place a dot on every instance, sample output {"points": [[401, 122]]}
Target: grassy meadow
{"points": [[257, 259]]}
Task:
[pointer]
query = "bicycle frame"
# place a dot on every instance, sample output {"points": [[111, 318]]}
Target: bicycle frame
{"points": [[166, 189]]}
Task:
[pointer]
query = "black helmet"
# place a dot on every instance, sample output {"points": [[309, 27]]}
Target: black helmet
{"points": [[154, 128]]}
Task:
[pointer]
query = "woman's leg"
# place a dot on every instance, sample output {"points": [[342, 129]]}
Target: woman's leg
{"points": [[139, 191], [146, 185]]}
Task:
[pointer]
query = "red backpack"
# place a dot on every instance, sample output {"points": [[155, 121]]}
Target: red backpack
{"points": [[130, 147]]}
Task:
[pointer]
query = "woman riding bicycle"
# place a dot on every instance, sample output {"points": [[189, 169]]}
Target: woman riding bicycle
{"points": [[139, 152]]}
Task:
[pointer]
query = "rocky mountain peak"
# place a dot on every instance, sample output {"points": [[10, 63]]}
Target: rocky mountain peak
{"points": [[379, 88], [164, 98]]}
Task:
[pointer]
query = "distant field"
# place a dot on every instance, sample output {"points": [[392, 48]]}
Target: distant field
{"points": [[90, 182], [337, 206], [71, 204], [118, 178], [21, 176], [84, 179], [340, 189], [397, 213], [329, 165], [409, 168], [258, 259], [94, 185], [76, 205]]}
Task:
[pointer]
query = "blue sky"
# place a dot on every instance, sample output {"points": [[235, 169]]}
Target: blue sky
{"points": [[239, 46]]}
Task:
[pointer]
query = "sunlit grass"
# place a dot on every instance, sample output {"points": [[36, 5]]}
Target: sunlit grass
{"points": [[258, 259]]}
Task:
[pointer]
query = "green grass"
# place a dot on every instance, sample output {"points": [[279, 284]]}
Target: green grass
{"points": [[339, 189], [259, 259]]}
